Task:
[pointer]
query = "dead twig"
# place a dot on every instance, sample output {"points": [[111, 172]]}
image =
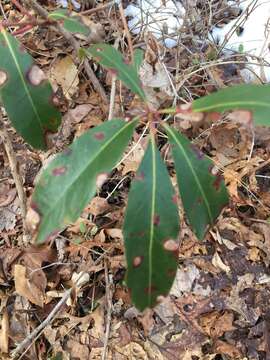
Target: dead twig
{"points": [[109, 311], [28, 340], [127, 33], [14, 171], [73, 42]]}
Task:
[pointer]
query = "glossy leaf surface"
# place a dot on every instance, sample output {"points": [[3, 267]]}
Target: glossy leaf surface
{"points": [[254, 98], [203, 194], [151, 227], [71, 179], [113, 60], [25, 93], [71, 23]]}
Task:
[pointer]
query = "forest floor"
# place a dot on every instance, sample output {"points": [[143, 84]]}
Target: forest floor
{"points": [[218, 306]]}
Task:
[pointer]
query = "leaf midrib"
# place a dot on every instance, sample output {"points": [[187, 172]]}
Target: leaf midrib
{"points": [[192, 171], [153, 205], [102, 148]]}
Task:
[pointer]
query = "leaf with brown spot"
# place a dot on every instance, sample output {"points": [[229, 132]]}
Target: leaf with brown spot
{"points": [[70, 181], [203, 194], [26, 94], [151, 218], [254, 98]]}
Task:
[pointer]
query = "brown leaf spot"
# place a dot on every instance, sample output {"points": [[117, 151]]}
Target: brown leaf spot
{"points": [[53, 122], [99, 136], [174, 199], [150, 289], [55, 100], [35, 75], [199, 200], [113, 72], [217, 182], [140, 177], [160, 298], [52, 235], [156, 220], [67, 152], [199, 154], [137, 261], [101, 178], [3, 77], [170, 245], [59, 171], [171, 272], [32, 219]]}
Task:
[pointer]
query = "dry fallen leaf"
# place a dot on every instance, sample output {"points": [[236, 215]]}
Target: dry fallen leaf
{"points": [[30, 287], [65, 73]]}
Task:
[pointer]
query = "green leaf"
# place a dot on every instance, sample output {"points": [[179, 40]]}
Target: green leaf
{"points": [[70, 180], [150, 230], [203, 194], [113, 60], [254, 98], [71, 23], [25, 94]]}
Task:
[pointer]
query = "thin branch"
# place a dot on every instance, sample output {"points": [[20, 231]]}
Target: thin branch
{"points": [[14, 170], [109, 312], [124, 21], [28, 340]]}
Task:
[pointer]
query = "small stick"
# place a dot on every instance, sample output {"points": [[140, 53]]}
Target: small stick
{"points": [[71, 39], [98, 8], [14, 171], [109, 312], [124, 21], [28, 340], [113, 89]]}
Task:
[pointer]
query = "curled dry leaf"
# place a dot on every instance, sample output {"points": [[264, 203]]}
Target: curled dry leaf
{"points": [[30, 287]]}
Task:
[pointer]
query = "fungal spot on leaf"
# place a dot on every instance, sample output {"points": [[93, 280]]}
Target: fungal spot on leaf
{"points": [[99, 49], [113, 72], [139, 177], [32, 219], [99, 136], [156, 220], [137, 261], [213, 170], [52, 235], [217, 182], [150, 289], [55, 100], [35, 75], [170, 245], [3, 77], [59, 171], [174, 199], [67, 152], [53, 122], [160, 298], [22, 49], [199, 154], [199, 200], [101, 178], [171, 272]]}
